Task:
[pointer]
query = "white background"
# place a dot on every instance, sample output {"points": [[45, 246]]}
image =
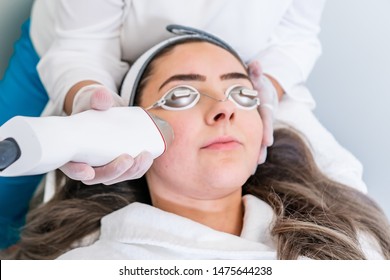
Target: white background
{"points": [[351, 84], [280, 270]]}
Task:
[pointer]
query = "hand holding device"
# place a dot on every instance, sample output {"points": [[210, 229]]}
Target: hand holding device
{"points": [[125, 167], [97, 97], [37, 145]]}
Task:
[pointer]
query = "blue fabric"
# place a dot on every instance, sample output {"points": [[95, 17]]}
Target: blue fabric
{"points": [[21, 93]]}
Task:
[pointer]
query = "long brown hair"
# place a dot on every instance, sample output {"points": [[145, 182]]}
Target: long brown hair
{"points": [[316, 217]]}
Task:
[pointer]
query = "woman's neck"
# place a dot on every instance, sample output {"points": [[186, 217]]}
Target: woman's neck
{"points": [[222, 214]]}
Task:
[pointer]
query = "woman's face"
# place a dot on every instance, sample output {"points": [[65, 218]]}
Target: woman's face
{"points": [[216, 144]]}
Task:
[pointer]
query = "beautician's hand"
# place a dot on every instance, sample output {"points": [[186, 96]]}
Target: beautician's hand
{"points": [[268, 104], [95, 97], [122, 168]]}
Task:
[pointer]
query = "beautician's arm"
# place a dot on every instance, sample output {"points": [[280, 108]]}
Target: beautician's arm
{"points": [[86, 48], [294, 46]]}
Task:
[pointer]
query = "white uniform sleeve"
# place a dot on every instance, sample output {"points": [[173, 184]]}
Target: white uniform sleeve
{"points": [[87, 47], [294, 48]]}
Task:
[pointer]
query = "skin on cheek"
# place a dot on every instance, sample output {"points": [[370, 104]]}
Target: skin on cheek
{"points": [[180, 147]]}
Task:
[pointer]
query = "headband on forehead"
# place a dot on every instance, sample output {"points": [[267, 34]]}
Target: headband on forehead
{"points": [[183, 33]]}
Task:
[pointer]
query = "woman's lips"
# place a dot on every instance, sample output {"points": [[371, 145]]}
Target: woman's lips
{"points": [[222, 143]]}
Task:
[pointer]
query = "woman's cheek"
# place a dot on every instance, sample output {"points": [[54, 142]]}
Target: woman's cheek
{"points": [[181, 144], [183, 135]]}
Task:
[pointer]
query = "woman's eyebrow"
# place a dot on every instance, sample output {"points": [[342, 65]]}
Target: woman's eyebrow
{"points": [[234, 75], [184, 77], [198, 77]]}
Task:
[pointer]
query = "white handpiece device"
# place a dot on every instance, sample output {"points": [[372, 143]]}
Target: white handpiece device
{"points": [[36, 145]]}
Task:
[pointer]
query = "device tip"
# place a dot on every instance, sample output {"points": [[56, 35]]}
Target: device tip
{"points": [[165, 129], [9, 153]]}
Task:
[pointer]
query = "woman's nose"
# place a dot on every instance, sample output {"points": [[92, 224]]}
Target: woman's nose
{"points": [[221, 111]]}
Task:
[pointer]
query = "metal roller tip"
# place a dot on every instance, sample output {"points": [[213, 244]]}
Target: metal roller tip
{"points": [[165, 129], [9, 153]]}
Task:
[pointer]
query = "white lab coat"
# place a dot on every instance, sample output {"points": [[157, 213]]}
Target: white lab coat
{"points": [[140, 232], [98, 39]]}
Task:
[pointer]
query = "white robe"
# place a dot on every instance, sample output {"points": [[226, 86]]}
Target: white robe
{"points": [[141, 232]]}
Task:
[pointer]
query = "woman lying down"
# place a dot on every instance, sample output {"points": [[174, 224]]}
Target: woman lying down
{"points": [[207, 196]]}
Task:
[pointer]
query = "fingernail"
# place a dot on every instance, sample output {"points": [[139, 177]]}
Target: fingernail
{"points": [[262, 156], [126, 162], [88, 175]]}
